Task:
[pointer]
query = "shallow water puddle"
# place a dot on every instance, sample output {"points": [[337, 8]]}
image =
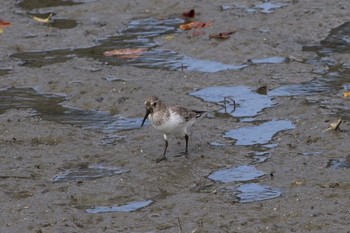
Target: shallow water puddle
{"points": [[339, 163], [256, 192], [338, 41], [247, 101], [89, 172], [331, 85], [334, 75], [269, 60], [139, 33], [267, 7], [260, 134], [48, 107], [128, 207], [233, 174], [329, 82]]}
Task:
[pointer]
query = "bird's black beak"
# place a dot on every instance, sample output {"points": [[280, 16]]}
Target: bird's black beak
{"points": [[146, 115]]}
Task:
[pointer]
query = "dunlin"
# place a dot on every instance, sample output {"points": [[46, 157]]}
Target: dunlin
{"points": [[170, 120]]}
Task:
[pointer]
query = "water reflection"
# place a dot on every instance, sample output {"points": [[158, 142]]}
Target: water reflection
{"points": [[128, 207], [260, 134]]}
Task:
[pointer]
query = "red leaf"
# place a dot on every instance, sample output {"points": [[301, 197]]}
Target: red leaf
{"points": [[4, 23]]}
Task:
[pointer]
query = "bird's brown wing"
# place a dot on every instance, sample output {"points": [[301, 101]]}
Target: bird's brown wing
{"points": [[188, 114]]}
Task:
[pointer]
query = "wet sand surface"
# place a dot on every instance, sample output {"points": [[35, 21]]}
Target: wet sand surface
{"points": [[73, 155]]}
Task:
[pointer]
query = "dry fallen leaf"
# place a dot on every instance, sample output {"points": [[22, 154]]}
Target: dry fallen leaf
{"points": [[189, 14], [346, 94], [196, 24], [125, 53], [221, 35], [41, 20], [4, 24]]}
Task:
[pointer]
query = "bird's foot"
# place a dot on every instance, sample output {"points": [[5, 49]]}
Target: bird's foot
{"points": [[182, 154], [161, 159]]}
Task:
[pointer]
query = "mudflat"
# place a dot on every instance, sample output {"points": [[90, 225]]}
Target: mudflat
{"points": [[75, 159]]}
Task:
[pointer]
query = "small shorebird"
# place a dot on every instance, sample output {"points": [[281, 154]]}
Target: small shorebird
{"points": [[170, 120]]}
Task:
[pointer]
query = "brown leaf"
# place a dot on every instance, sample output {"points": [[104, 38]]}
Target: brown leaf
{"points": [[221, 35], [189, 14], [125, 53], [346, 94]]}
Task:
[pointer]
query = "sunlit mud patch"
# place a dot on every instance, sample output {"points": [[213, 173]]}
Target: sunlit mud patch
{"points": [[35, 4], [48, 107], [339, 163], [128, 207], [247, 102], [233, 174], [261, 134], [88, 172], [255, 192]]}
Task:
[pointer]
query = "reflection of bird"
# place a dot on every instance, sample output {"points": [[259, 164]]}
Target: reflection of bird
{"points": [[170, 120]]}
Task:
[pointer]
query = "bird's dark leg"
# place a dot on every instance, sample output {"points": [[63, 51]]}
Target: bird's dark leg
{"points": [[186, 138], [164, 157], [185, 153]]}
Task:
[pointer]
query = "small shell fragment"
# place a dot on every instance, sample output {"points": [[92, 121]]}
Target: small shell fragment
{"points": [[335, 126]]}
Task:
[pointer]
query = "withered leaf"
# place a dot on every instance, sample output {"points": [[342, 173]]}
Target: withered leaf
{"points": [[125, 53], [195, 24]]}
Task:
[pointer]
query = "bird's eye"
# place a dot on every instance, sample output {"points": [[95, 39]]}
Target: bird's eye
{"points": [[154, 104]]}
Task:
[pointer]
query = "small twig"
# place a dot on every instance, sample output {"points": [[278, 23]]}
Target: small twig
{"points": [[179, 222]]}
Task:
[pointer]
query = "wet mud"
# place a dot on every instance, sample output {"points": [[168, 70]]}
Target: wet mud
{"points": [[74, 157]]}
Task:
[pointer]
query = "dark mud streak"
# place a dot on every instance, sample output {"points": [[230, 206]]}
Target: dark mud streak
{"points": [[48, 107], [36, 4], [138, 34]]}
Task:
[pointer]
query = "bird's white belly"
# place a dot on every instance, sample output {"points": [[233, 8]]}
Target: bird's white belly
{"points": [[174, 125]]}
